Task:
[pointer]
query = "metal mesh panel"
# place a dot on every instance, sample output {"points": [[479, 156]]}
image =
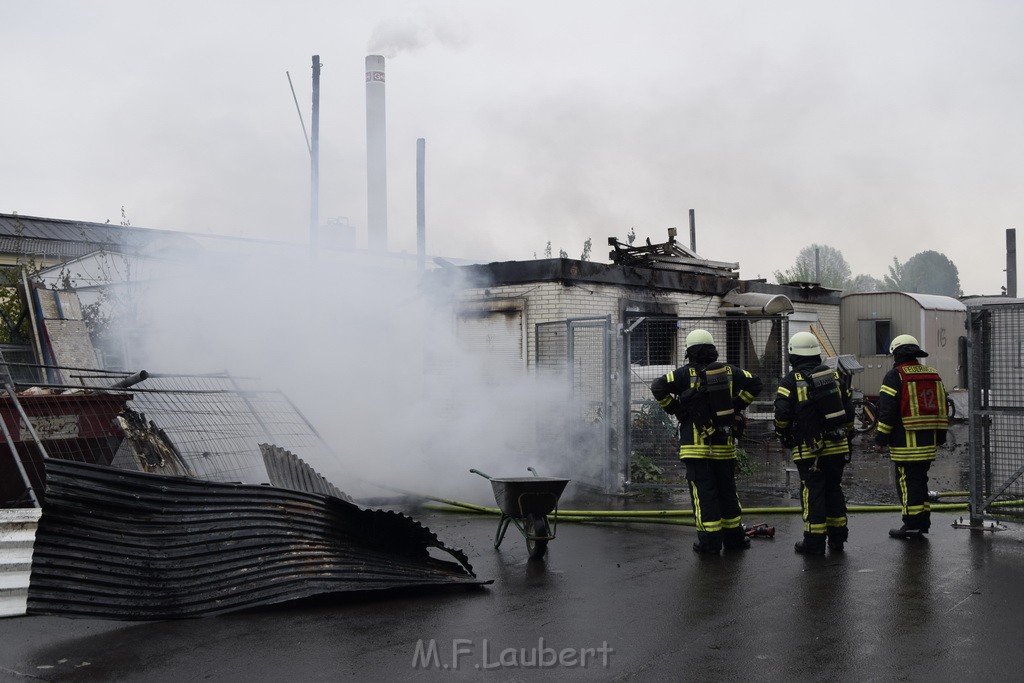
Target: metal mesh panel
{"points": [[577, 352], [21, 358], [208, 426], [552, 347], [996, 421], [657, 345]]}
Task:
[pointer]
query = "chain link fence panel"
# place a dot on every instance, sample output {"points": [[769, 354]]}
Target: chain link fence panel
{"points": [[996, 402]]}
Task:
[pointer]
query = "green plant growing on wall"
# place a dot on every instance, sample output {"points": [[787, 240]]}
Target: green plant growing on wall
{"points": [[14, 321], [14, 329], [743, 464], [642, 470], [653, 434]]}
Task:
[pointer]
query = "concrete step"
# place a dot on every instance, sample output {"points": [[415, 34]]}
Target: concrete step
{"points": [[14, 581], [13, 605]]}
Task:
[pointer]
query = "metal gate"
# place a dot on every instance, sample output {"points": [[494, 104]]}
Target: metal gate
{"points": [[652, 346], [995, 383], [577, 351]]}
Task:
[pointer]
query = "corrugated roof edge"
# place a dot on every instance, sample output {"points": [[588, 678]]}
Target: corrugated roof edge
{"points": [[932, 302]]}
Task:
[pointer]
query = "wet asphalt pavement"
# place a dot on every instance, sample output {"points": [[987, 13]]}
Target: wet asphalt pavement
{"points": [[632, 601]]}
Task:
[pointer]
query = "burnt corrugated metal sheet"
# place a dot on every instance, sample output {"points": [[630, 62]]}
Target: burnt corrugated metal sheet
{"points": [[131, 545], [289, 471], [17, 537]]}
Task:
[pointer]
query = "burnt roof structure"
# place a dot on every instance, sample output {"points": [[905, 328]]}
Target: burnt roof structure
{"points": [[669, 256]]}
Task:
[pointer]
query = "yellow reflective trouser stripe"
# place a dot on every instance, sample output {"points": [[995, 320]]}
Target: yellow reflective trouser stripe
{"points": [[805, 509], [731, 523], [715, 452], [698, 515], [902, 485], [831, 448], [897, 453], [835, 521]]}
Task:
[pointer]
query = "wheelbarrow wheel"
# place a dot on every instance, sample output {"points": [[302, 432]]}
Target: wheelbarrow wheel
{"points": [[537, 525]]}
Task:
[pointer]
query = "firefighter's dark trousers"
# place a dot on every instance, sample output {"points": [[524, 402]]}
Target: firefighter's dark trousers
{"points": [[912, 485], [716, 507], [821, 497]]}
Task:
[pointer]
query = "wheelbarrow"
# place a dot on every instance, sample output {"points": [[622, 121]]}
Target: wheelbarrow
{"points": [[526, 503]]}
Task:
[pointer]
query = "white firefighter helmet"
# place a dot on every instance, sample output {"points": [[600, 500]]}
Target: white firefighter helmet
{"points": [[699, 336], [913, 348], [804, 344]]}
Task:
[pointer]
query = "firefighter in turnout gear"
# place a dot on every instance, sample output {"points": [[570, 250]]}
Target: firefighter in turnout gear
{"points": [[708, 399], [814, 418], [912, 422]]}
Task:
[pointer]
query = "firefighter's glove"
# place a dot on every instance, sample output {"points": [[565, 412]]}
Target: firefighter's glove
{"points": [[739, 425]]}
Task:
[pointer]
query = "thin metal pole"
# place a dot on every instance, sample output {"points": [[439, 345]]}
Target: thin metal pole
{"points": [[974, 420], [28, 423], [32, 321], [305, 135], [10, 441], [693, 232], [314, 158]]}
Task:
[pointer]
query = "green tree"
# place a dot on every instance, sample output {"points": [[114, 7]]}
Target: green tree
{"points": [[865, 283], [818, 263], [927, 272], [585, 256]]}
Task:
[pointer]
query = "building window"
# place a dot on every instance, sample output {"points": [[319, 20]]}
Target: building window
{"points": [[875, 336], [653, 342]]}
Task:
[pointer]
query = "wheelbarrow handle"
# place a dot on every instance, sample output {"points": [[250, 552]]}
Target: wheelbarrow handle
{"points": [[480, 473], [530, 469]]}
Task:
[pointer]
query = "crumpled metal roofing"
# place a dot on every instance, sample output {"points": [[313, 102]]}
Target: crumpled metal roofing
{"points": [[131, 545], [289, 471]]}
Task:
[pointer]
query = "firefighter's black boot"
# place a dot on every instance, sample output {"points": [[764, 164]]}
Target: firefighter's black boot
{"points": [[837, 536], [905, 532], [708, 542], [735, 539], [813, 544]]}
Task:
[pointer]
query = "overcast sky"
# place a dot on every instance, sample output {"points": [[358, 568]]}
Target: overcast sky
{"points": [[879, 128]]}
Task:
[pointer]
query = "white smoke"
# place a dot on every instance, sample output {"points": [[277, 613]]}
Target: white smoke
{"points": [[370, 361], [396, 36]]}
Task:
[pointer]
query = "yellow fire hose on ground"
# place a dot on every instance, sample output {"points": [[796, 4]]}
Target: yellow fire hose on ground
{"points": [[684, 517]]}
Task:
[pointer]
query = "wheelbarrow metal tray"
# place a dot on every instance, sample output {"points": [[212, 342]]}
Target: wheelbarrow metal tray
{"points": [[521, 496]]}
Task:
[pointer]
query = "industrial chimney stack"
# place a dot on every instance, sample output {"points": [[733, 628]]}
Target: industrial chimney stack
{"points": [[376, 155], [1011, 262]]}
